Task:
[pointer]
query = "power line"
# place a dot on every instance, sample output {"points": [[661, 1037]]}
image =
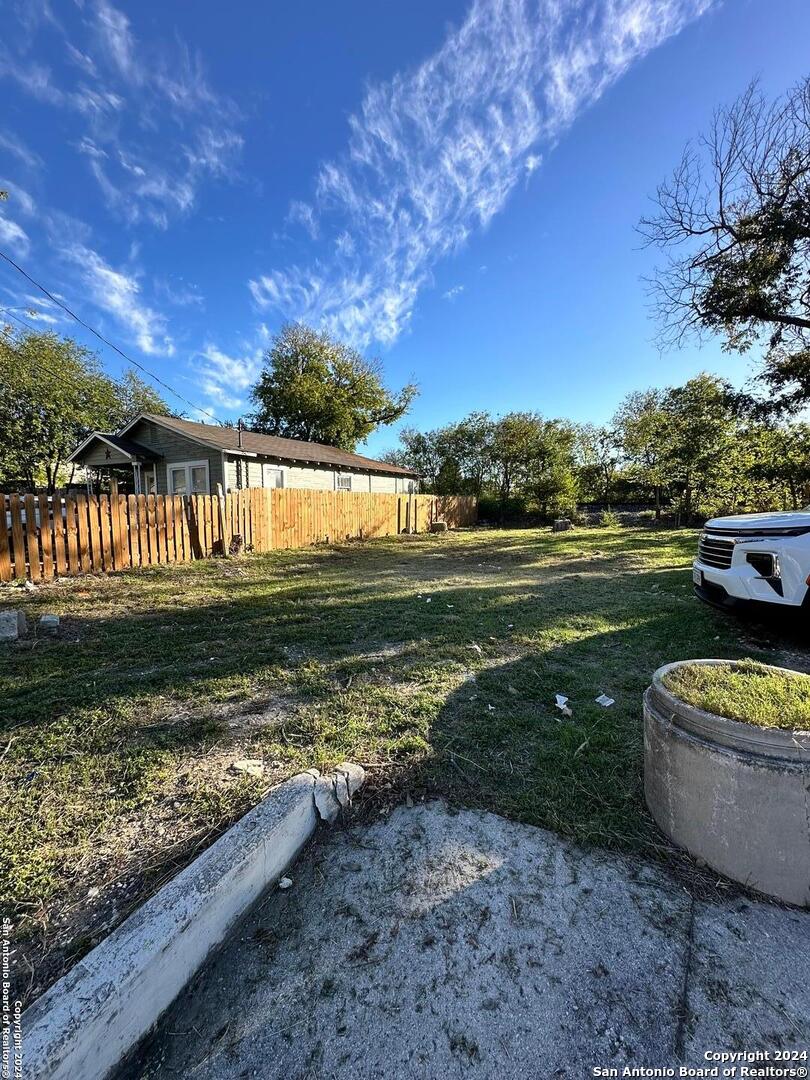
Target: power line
{"points": [[104, 340]]}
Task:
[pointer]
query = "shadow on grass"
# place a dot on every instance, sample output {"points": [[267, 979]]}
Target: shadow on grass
{"points": [[442, 684]]}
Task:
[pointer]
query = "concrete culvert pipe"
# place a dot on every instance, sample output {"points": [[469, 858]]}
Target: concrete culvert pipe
{"points": [[734, 794]]}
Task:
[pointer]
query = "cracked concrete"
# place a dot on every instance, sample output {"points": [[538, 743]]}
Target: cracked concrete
{"points": [[444, 944]]}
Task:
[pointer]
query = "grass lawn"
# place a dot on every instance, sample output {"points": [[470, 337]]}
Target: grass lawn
{"points": [[433, 660], [751, 693]]}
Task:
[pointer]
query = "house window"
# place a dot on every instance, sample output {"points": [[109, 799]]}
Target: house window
{"points": [[343, 482], [188, 478], [272, 476]]}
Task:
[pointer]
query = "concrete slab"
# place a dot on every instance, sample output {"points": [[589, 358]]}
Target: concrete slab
{"points": [[85, 1023], [749, 978], [443, 944]]}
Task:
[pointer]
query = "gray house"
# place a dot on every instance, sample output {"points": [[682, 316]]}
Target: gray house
{"points": [[169, 456]]}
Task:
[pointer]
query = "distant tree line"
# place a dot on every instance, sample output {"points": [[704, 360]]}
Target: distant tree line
{"points": [[693, 451]]}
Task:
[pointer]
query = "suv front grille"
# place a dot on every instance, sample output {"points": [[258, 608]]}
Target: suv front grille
{"points": [[712, 551]]}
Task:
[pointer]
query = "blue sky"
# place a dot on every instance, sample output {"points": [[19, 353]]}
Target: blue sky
{"points": [[452, 187]]}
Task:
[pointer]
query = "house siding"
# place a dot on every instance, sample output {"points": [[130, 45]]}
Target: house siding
{"points": [[383, 484], [175, 448], [311, 477], [98, 456], [223, 468]]}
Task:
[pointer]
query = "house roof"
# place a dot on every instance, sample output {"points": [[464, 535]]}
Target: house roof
{"points": [[227, 438], [134, 450]]}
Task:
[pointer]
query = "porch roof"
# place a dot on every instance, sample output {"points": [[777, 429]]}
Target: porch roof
{"points": [[134, 451]]}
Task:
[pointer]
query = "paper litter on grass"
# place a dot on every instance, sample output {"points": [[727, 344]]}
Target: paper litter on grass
{"points": [[605, 701], [562, 704]]}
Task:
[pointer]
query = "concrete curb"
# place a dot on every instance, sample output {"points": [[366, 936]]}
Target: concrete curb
{"points": [[85, 1023]]}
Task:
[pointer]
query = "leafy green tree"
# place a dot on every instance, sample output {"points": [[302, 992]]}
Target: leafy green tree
{"points": [[702, 451], [552, 482], [470, 444], [53, 393], [534, 457], [315, 388], [782, 459], [418, 451], [598, 452], [455, 459], [642, 427], [735, 218], [131, 395]]}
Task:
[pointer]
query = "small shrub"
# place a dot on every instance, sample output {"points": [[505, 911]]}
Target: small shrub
{"points": [[609, 520]]}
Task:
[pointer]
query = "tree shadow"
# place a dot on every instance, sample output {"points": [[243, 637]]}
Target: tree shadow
{"points": [[449, 689]]}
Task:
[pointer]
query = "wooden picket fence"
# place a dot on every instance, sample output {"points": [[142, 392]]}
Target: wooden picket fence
{"points": [[43, 537]]}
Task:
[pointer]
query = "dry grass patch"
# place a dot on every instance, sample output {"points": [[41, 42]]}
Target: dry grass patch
{"points": [[750, 692]]}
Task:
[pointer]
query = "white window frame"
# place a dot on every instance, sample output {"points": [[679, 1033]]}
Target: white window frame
{"points": [[343, 476], [188, 466], [274, 468]]}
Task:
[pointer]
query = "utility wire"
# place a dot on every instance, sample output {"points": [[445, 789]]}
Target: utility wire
{"points": [[104, 340]]}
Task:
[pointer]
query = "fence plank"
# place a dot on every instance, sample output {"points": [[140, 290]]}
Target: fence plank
{"points": [[71, 531], [165, 511], [17, 536], [160, 527], [125, 531], [199, 519], [59, 541], [85, 555], [180, 529], [94, 528], [5, 546], [193, 528], [115, 529], [105, 529], [143, 536], [171, 551], [208, 508], [32, 538], [105, 533], [132, 531], [151, 526], [45, 536]]}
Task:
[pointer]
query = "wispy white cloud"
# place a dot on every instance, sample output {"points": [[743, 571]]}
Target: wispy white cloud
{"points": [[119, 294], [179, 293], [18, 198], [153, 129], [301, 213], [35, 315], [434, 154], [453, 292], [13, 235], [226, 379], [532, 163], [13, 144]]}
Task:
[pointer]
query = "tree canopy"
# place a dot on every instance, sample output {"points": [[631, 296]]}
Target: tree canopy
{"points": [[315, 388], [53, 393], [694, 450], [735, 221]]}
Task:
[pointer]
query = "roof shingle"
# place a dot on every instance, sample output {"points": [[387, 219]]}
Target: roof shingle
{"points": [[226, 438]]}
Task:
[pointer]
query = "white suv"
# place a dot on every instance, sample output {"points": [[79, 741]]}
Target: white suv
{"points": [[755, 557]]}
